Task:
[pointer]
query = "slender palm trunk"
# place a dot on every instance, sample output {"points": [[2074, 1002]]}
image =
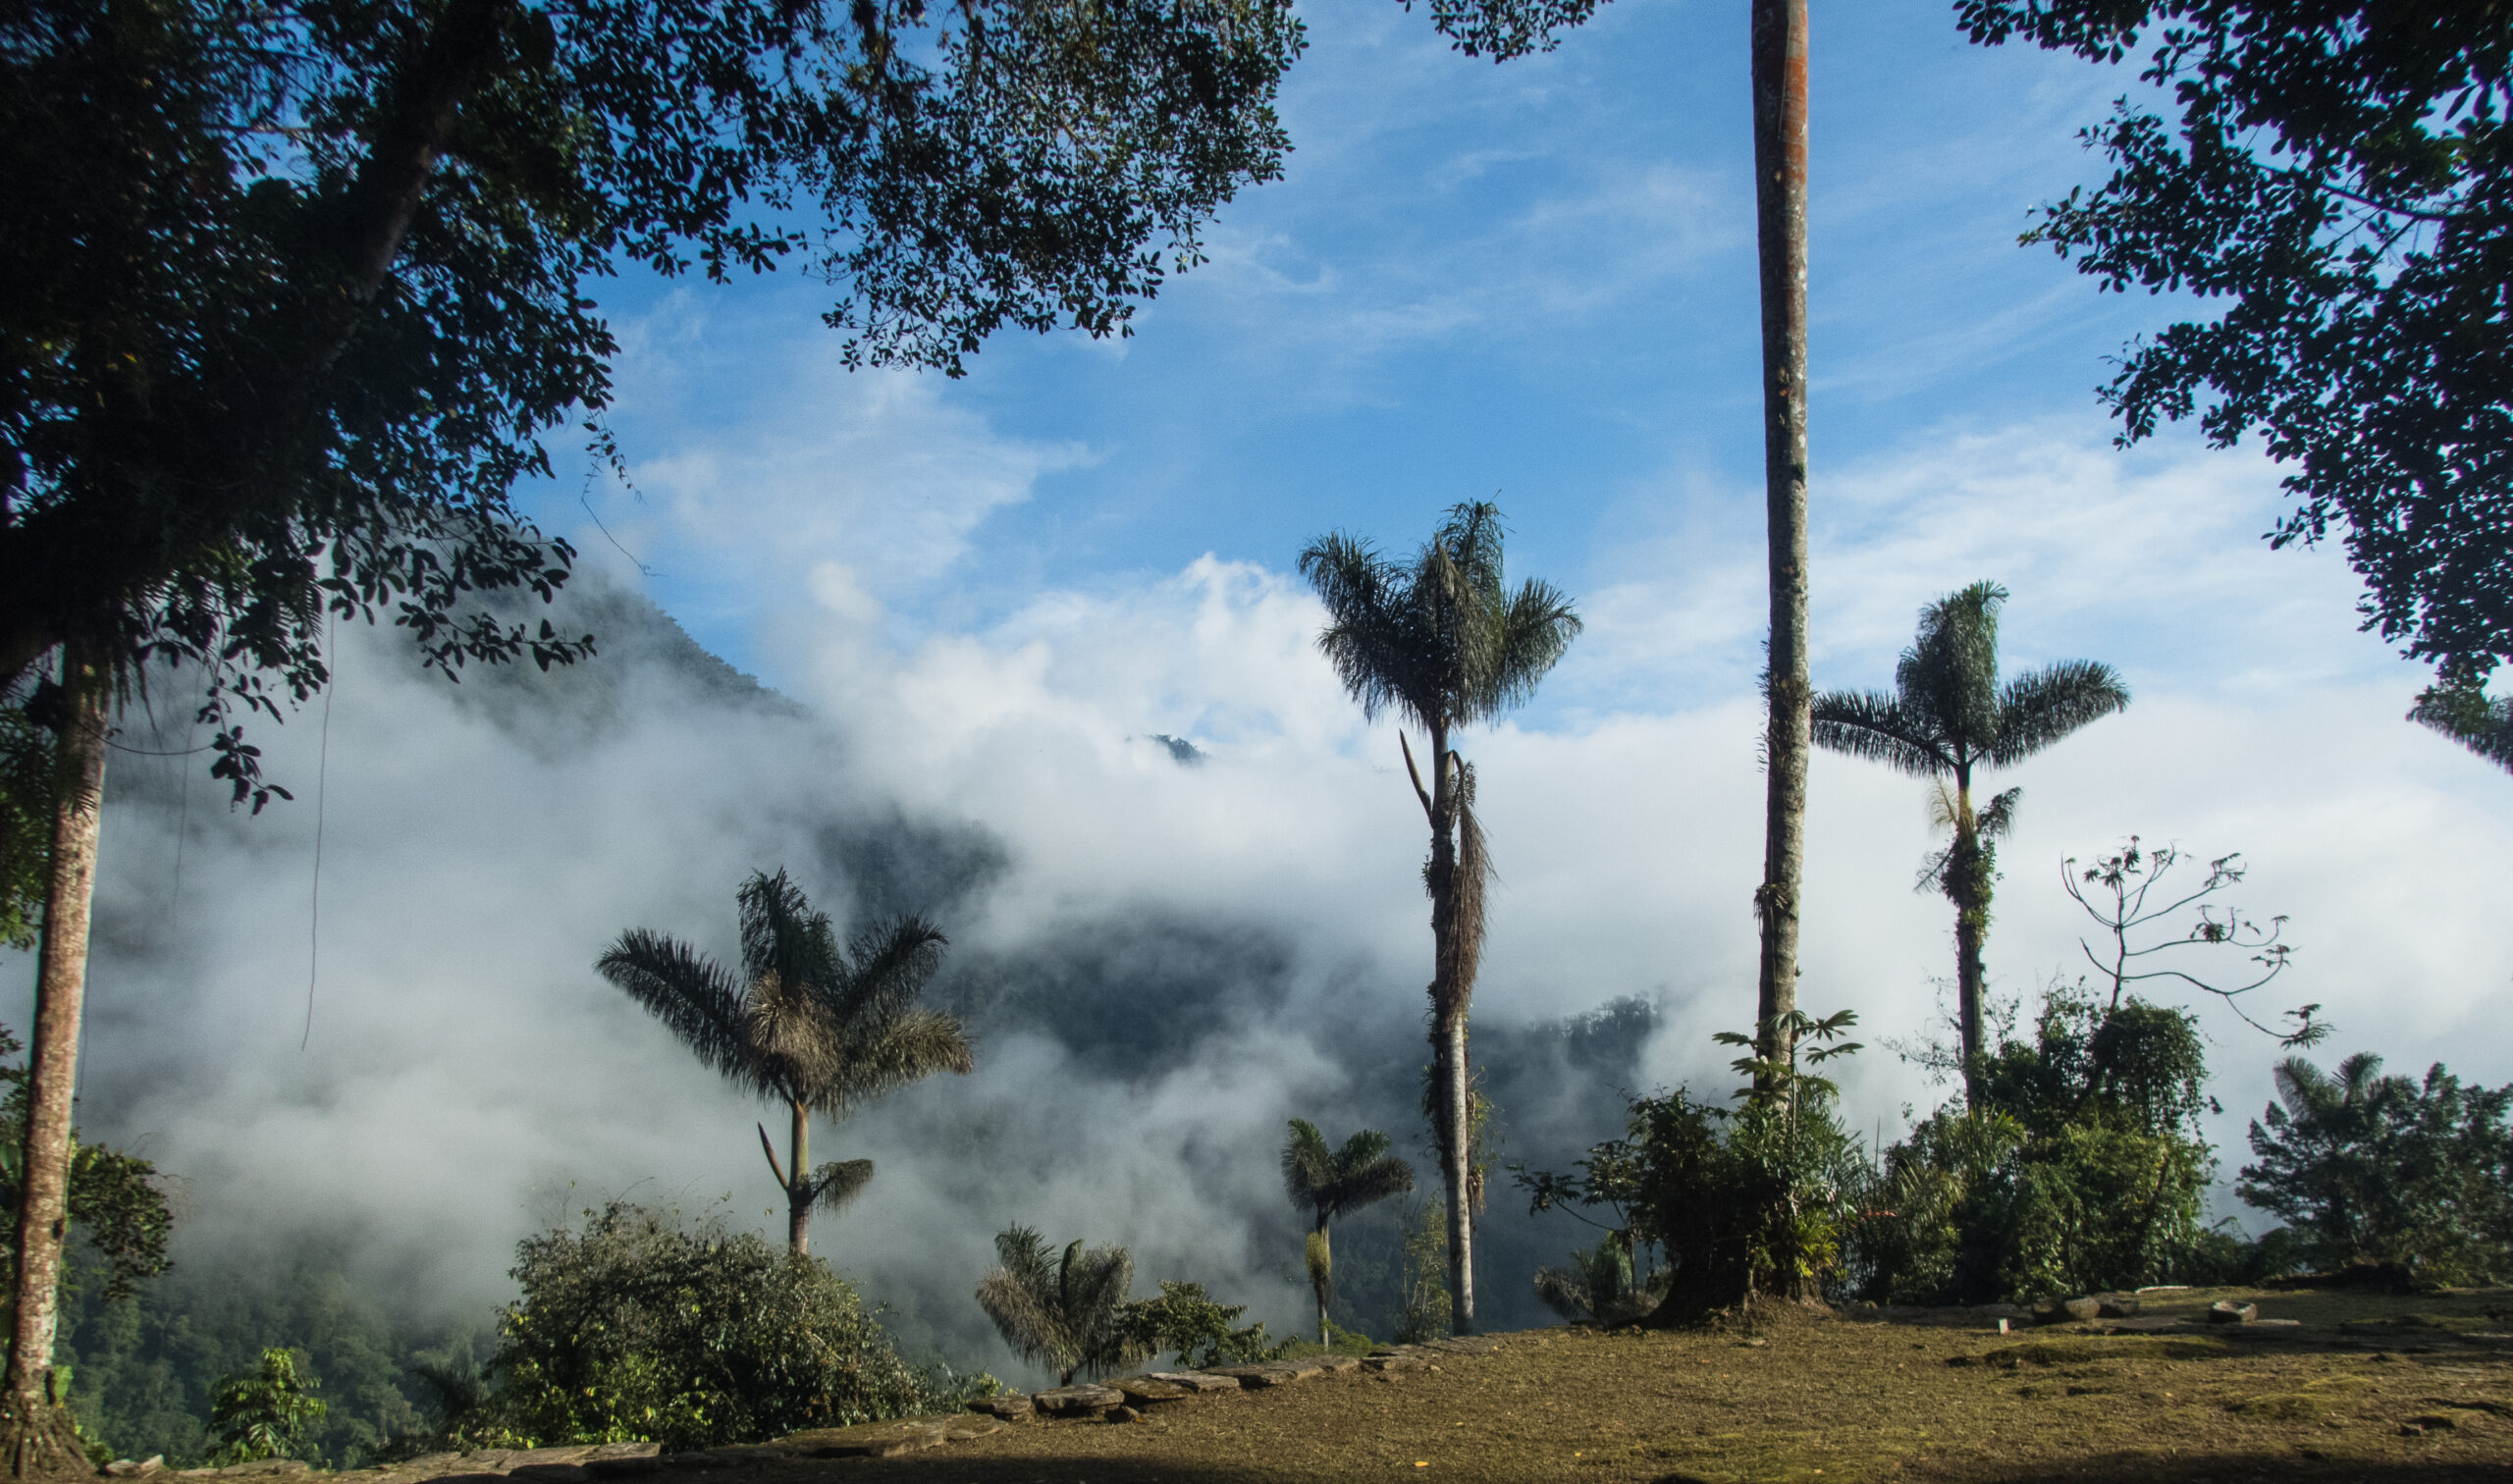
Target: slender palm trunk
{"points": [[1780, 197], [52, 1066], [1967, 884], [798, 1195], [1325, 1331], [1448, 1033]]}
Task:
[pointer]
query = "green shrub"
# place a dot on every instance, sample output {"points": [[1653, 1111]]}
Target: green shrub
{"points": [[2083, 1171], [265, 1413], [2370, 1169], [642, 1327], [1189, 1325]]}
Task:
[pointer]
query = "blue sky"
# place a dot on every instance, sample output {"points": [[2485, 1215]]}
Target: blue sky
{"points": [[1534, 280]]}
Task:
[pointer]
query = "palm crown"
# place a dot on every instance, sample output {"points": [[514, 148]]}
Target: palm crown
{"points": [[1066, 1313], [1442, 641], [819, 1028]]}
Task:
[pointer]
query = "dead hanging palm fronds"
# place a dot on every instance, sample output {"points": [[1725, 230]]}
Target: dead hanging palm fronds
{"points": [[1066, 1313], [821, 1029], [1472, 874]]}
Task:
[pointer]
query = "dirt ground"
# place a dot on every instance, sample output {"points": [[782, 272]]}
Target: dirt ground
{"points": [[2373, 1388]]}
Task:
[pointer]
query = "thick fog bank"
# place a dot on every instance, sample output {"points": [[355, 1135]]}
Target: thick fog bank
{"points": [[430, 1069]]}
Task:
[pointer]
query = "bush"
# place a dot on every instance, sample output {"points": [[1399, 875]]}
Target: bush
{"points": [[641, 1327], [2083, 1171], [1757, 1201], [1185, 1322], [265, 1413], [2382, 1170]]}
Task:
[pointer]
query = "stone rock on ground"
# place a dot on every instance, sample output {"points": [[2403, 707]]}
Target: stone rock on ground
{"points": [[1149, 1390], [1011, 1407], [2226, 1311], [1077, 1401], [883, 1439], [1198, 1382]]}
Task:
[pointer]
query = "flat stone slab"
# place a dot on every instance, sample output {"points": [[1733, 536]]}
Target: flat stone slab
{"points": [[1011, 1407], [1271, 1373], [2148, 1324], [1336, 1365], [884, 1440], [2226, 1311], [1145, 1391], [1198, 1382], [1076, 1401]]}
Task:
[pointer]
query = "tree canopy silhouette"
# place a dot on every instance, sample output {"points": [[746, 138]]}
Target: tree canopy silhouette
{"points": [[2336, 195]]}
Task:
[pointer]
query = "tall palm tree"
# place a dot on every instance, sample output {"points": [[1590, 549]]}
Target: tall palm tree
{"points": [[1779, 69], [820, 1029], [1328, 1185], [1950, 717], [1068, 1313], [1443, 643]]}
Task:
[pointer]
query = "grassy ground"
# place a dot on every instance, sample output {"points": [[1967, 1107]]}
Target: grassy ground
{"points": [[2371, 1388]]}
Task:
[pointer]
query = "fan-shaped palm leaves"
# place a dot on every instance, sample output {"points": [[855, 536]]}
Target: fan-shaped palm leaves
{"points": [[1443, 643], [1950, 717], [1065, 1313], [820, 1029], [1329, 1183]]}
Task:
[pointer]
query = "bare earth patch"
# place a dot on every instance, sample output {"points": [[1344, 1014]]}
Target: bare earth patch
{"points": [[2412, 1389]]}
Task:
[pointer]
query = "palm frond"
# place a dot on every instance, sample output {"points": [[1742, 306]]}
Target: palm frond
{"points": [[2038, 709], [835, 1185], [886, 965], [1017, 1296], [1467, 896], [1999, 818], [1378, 649], [694, 997], [1873, 725], [1318, 1254], [1949, 675], [871, 1061], [1309, 1170], [1530, 637], [781, 935], [1369, 1184]]}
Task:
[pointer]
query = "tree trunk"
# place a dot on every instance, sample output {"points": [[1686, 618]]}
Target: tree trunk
{"points": [[1780, 197], [798, 1195], [1325, 1330], [1448, 1031], [1454, 1171], [40, 1438], [1967, 883]]}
